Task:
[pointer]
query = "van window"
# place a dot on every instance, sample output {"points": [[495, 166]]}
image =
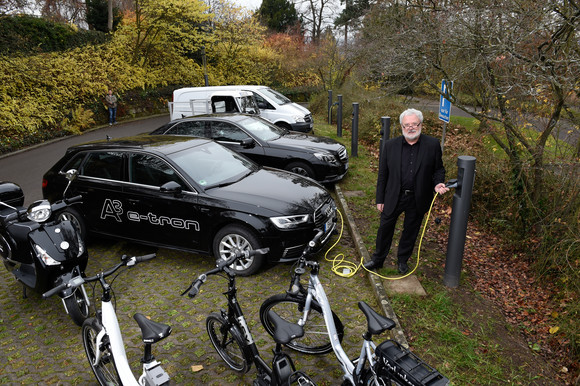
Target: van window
{"points": [[262, 103], [225, 104], [276, 96]]}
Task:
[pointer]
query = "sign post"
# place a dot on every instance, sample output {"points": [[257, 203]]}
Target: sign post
{"points": [[444, 108]]}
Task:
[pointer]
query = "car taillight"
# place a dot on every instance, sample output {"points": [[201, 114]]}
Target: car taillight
{"points": [[44, 182]]}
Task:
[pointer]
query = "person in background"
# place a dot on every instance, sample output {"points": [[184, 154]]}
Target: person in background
{"points": [[410, 170], [111, 101]]}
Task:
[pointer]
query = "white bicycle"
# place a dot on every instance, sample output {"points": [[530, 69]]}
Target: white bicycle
{"points": [[388, 363], [102, 337]]}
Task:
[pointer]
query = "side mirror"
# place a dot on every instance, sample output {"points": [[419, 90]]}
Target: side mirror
{"points": [[247, 143], [170, 187]]}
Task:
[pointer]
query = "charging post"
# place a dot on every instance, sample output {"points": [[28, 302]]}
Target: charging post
{"points": [[459, 215]]}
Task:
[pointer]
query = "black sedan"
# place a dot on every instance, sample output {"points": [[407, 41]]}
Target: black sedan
{"points": [[191, 194], [320, 158]]}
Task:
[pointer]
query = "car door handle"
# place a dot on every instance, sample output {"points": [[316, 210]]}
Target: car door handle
{"points": [[133, 201]]}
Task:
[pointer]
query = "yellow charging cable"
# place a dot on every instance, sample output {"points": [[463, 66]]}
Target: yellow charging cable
{"points": [[344, 268]]}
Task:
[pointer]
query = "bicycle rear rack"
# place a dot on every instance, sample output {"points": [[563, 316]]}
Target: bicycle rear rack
{"points": [[407, 367]]}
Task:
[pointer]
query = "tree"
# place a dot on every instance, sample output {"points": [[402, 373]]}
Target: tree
{"points": [[98, 15], [163, 25], [65, 11], [278, 15], [316, 15]]}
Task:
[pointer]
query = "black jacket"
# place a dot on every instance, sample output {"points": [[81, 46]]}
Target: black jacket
{"points": [[429, 172]]}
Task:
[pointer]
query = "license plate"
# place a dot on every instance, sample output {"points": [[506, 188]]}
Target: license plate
{"points": [[328, 225]]}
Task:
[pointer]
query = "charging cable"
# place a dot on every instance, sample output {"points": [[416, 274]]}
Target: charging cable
{"points": [[344, 268]]}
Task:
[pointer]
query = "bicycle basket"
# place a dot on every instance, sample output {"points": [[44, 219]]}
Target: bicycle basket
{"points": [[402, 365]]}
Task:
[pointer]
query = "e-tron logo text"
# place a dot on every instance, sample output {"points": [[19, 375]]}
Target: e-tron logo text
{"points": [[114, 209]]}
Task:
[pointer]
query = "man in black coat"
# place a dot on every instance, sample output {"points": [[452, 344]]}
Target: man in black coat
{"points": [[410, 170]]}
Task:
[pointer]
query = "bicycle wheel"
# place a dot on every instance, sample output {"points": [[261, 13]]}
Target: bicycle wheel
{"points": [[77, 306], [371, 379], [105, 370], [228, 342], [291, 308]]}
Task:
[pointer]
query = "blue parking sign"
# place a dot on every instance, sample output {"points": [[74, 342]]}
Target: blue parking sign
{"points": [[444, 103]]}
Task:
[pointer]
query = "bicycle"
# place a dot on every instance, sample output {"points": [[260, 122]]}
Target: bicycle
{"points": [[102, 337], [388, 363], [231, 337]]}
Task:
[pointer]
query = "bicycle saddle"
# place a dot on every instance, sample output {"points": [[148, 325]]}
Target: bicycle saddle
{"points": [[284, 331], [152, 331], [377, 323]]}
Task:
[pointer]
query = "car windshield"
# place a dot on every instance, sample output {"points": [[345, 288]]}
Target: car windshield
{"points": [[275, 95], [261, 129], [211, 164]]}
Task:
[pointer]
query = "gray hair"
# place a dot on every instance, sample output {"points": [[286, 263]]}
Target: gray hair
{"points": [[411, 112]]}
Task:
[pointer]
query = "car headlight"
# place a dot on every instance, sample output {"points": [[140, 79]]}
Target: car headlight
{"points": [[288, 222], [326, 157], [39, 211], [45, 256], [299, 118]]}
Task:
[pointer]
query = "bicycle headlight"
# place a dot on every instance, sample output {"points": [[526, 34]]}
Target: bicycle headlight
{"points": [[39, 211], [45, 256], [289, 222]]}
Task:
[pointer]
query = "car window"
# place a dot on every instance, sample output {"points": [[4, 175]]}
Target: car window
{"points": [[261, 129], [223, 131], [151, 170], [196, 128], [105, 164], [211, 164], [74, 163]]}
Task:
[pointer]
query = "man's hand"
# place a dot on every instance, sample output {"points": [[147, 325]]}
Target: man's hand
{"points": [[380, 207], [441, 189]]}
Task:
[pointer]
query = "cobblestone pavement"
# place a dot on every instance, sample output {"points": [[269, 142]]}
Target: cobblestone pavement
{"points": [[39, 344]]}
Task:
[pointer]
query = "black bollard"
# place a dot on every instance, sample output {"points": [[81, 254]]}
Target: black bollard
{"points": [[385, 133], [339, 117], [459, 215], [354, 138]]}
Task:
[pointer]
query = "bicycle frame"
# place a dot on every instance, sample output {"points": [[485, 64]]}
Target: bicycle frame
{"points": [[236, 317], [316, 290], [112, 330]]}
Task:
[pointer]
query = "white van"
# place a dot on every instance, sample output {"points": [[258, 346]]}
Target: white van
{"points": [[199, 100], [273, 106]]}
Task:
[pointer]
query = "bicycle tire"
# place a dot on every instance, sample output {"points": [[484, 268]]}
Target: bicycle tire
{"points": [[106, 370], [228, 342], [290, 308], [77, 307]]}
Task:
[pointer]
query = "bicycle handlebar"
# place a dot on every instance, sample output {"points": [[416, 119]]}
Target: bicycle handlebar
{"points": [[77, 281], [222, 265]]}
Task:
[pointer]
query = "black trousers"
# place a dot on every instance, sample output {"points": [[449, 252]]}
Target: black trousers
{"points": [[411, 227]]}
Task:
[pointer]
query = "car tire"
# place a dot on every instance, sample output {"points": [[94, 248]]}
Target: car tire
{"points": [[233, 238], [283, 125], [300, 168]]}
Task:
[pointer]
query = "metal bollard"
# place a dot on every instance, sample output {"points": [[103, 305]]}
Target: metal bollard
{"points": [[385, 133], [459, 215], [354, 138], [339, 117]]}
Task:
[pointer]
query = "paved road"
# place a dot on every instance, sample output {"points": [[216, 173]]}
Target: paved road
{"points": [[27, 167]]}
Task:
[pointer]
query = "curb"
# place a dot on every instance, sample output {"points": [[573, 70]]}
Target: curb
{"points": [[377, 284]]}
